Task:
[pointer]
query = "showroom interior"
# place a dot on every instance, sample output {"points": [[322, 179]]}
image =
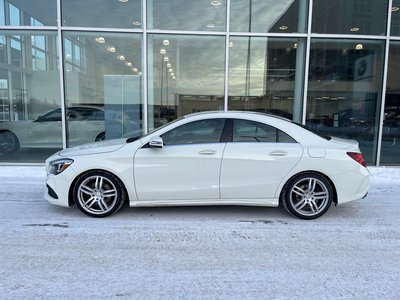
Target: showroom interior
{"points": [[73, 72]]}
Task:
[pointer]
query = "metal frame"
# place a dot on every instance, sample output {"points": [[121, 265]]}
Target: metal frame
{"points": [[60, 47], [227, 34]]}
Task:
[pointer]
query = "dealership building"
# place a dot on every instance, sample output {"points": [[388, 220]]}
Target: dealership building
{"points": [[74, 71]]}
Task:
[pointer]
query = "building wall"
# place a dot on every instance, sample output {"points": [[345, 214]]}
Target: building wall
{"points": [[76, 71]]}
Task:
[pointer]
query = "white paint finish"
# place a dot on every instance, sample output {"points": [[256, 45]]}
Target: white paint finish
{"points": [[178, 172], [315, 152], [254, 170], [190, 174]]}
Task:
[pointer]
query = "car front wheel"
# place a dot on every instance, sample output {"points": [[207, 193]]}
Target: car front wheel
{"points": [[308, 195], [8, 142], [99, 194]]}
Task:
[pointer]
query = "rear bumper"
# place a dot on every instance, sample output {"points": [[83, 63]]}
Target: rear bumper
{"points": [[353, 185]]}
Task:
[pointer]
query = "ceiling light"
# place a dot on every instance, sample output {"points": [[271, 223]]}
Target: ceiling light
{"points": [[129, 64], [111, 49], [230, 44], [170, 70], [210, 25], [354, 29], [136, 23], [283, 27], [135, 69], [295, 46], [140, 73], [163, 51], [172, 74], [123, 1], [215, 3], [121, 57], [168, 65], [166, 58], [165, 42], [395, 8], [100, 40], [173, 77], [359, 47]]}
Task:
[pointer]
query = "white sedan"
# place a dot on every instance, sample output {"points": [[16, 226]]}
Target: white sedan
{"points": [[45, 130], [215, 158]]}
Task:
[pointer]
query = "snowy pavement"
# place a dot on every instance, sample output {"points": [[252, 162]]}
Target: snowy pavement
{"points": [[49, 252]]}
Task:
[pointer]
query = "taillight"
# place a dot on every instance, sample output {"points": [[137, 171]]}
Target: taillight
{"points": [[358, 157]]}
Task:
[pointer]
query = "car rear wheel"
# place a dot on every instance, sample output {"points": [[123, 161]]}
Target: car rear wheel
{"points": [[99, 194], [8, 142], [100, 137], [308, 195]]}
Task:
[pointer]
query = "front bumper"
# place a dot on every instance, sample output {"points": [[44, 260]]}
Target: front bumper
{"points": [[57, 186]]}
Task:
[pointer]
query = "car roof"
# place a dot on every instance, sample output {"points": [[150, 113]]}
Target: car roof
{"points": [[227, 114]]}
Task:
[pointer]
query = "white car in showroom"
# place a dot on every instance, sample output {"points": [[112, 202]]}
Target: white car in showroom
{"points": [[45, 130], [214, 158]]}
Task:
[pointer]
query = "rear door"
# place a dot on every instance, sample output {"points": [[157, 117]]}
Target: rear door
{"points": [[256, 160]]}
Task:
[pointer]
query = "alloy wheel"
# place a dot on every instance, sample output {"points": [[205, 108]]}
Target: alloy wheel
{"points": [[309, 196], [97, 195]]}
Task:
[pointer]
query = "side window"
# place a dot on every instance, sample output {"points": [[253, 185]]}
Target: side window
{"points": [[250, 132], [52, 116], [197, 132]]}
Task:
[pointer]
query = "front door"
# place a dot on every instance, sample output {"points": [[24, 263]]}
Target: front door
{"points": [[186, 168]]}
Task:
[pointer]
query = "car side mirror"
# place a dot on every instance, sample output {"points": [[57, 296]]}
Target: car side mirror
{"points": [[156, 142]]}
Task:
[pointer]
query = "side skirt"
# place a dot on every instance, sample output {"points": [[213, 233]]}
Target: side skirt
{"points": [[273, 202]]}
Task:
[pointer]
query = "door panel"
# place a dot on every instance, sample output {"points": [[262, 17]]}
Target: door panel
{"points": [[178, 172], [254, 170]]}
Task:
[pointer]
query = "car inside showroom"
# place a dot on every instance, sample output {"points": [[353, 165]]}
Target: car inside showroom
{"points": [[73, 72]]}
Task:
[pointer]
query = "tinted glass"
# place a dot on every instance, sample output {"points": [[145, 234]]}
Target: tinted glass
{"points": [[103, 86], [395, 24], [28, 13], [282, 16], [344, 90], [266, 75], [199, 15], [102, 13], [30, 128], [250, 131], [186, 75], [350, 16], [391, 124], [198, 132]]}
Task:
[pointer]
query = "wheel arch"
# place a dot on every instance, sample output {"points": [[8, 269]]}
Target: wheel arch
{"points": [[335, 198], [100, 136], [72, 185]]}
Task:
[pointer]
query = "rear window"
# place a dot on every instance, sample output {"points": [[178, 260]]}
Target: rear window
{"points": [[324, 136]]}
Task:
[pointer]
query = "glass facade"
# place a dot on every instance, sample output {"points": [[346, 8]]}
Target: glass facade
{"points": [[73, 71]]}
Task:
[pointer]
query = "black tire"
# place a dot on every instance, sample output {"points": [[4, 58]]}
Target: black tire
{"points": [[99, 194], [9, 142], [100, 137], [307, 195]]}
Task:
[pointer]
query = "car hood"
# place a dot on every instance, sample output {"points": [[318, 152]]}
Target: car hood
{"points": [[352, 144], [94, 148]]}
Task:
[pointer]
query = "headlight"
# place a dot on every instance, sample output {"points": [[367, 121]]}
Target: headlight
{"points": [[59, 165]]}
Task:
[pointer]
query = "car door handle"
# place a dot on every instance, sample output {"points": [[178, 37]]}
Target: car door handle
{"points": [[278, 153], [207, 152]]}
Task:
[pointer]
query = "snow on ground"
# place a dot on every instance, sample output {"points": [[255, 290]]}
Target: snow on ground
{"points": [[208, 252]]}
